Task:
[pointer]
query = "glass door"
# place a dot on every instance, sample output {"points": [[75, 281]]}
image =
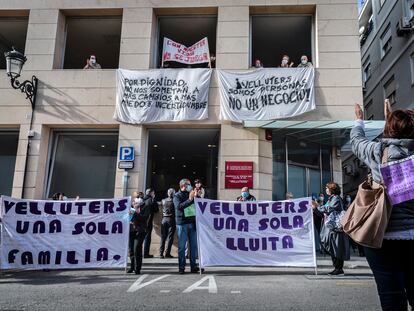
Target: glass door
{"points": [[303, 181]]}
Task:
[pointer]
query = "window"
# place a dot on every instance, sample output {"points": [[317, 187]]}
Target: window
{"points": [[8, 151], [410, 11], [367, 109], [276, 35], [368, 104], [176, 28], [367, 70], [390, 90], [83, 163], [13, 32], [96, 35], [412, 68], [386, 41]]}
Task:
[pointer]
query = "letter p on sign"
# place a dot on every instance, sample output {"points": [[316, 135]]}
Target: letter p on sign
{"points": [[126, 154]]}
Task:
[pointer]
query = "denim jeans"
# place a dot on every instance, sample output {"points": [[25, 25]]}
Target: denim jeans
{"points": [[393, 269], [187, 232]]}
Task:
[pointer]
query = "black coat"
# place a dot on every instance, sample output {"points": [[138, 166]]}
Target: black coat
{"points": [[181, 201]]}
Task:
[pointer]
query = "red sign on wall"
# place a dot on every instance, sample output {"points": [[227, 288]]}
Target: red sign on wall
{"points": [[238, 174]]}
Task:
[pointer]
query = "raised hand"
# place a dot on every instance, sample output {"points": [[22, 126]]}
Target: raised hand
{"points": [[387, 108], [359, 114]]}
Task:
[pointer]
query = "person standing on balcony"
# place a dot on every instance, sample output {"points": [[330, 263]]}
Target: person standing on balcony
{"points": [[286, 63], [91, 63], [304, 62]]}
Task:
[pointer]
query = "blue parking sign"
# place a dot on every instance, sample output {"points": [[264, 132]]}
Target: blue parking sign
{"points": [[126, 154]]}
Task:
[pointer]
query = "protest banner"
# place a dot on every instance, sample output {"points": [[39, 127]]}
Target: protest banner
{"points": [[162, 95], [39, 234], [262, 233], [398, 177], [196, 54], [266, 94]]}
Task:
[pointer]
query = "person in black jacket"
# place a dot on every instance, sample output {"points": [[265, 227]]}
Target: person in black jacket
{"points": [[138, 225], [152, 205], [167, 224]]}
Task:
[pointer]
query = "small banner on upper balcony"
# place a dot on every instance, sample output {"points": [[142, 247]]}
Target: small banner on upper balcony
{"points": [[198, 53], [266, 93], [160, 95]]}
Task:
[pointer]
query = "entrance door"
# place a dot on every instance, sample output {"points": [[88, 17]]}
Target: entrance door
{"points": [[174, 154], [303, 181]]}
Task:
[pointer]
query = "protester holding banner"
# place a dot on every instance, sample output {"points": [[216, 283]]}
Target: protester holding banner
{"points": [[245, 195], [167, 224], [185, 223], [137, 230], [286, 63], [392, 264], [333, 239], [304, 62]]}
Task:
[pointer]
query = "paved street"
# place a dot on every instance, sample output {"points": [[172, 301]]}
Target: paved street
{"points": [[159, 287]]}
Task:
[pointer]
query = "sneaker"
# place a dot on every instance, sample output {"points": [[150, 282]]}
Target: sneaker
{"points": [[130, 270], [169, 256], [162, 257], [149, 256], [196, 270], [181, 271]]}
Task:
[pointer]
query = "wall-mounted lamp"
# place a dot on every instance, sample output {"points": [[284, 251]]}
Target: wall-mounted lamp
{"points": [[14, 62]]}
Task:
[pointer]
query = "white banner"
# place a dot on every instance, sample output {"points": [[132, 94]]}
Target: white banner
{"points": [[262, 233], [196, 54], [162, 95], [266, 94], [64, 234]]}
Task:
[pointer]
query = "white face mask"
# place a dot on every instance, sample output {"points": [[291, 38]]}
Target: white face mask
{"points": [[304, 61], [93, 60], [284, 61]]}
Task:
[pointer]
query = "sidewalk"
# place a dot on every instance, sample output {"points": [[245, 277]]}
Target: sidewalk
{"points": [[322, 261]]}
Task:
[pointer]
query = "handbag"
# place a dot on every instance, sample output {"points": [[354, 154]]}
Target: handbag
{"points": [[333, 220], [366, 219]]}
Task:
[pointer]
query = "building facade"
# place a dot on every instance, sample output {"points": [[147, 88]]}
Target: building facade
{"points": [[74, 140], [387, 57]]}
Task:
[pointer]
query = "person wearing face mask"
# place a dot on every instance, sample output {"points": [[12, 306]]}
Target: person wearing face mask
{"points": [[286, 62], [138, 217], [245, 195], [258, 64], [304, 62], [91, 63], [333, 240], [185, 224]]}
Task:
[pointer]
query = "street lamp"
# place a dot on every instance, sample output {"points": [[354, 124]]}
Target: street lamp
{"points": [[14, 62]]}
